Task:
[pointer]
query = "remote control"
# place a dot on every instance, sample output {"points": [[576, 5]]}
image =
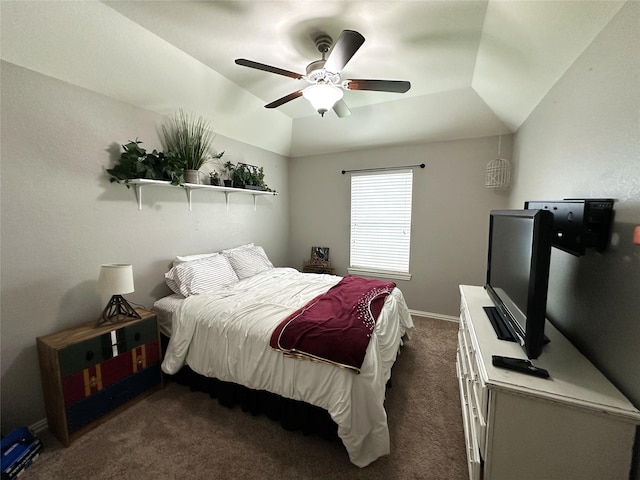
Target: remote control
{"points": [[519, 365]]}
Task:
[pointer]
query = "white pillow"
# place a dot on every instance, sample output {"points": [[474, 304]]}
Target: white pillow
{"points": [[200, 276], [241, 247], [190, 258], [248, 261]]}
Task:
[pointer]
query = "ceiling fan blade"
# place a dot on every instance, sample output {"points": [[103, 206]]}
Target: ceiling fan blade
{"points": [[396, 86], [285, 99], [345, 47], [341, 109], [267, 68]]}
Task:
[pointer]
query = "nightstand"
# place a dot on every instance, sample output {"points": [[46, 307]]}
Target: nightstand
{"points": [[89, 374], [316, 266], [317, 269]]}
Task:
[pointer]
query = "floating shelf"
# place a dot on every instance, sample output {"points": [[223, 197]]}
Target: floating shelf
{"points": [[138, 183]]}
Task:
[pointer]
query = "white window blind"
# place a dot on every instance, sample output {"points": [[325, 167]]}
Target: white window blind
{"points": [[381, 221]]}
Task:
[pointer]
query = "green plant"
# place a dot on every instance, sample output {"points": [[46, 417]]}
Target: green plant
{"points": [[217, 157], [136, 162], [241, 175], [189, 139], [214, 178], [228, 169], [257, 177]]}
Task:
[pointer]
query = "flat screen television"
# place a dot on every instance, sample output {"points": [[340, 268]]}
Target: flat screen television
{"points": [[518, 274]]}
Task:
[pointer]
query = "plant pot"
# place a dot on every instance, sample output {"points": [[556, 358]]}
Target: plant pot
{"points": [[214, 181], [191, 176], [228, 183]]}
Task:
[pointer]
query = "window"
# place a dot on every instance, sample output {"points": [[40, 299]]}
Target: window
{"points": [[381, 224]]}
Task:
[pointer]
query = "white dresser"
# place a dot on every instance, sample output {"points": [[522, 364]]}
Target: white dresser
{"points": [[574, 425]]}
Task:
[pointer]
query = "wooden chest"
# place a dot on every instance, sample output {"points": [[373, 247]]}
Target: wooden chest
{"points": [[89, 374]]}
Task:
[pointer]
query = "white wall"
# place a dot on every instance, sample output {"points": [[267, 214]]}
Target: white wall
{"points": [[61, 218], [449, 214], [91, 45], [583, 140]]}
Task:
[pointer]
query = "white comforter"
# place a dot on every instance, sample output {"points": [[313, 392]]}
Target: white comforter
{"points": [[226, 334]]}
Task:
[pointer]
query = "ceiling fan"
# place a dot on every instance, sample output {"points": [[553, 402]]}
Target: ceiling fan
{"points": [[325, 88]]}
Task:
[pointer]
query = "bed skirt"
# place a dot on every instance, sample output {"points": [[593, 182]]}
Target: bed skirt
{"points": [[292, 414]]}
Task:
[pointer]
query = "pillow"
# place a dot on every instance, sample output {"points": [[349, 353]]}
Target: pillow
{"points": [[181, 259], [190, 258], [241, 247], [200, 276], [248, 261]]}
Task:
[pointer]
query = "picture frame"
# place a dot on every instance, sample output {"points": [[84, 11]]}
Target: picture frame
{"points": [[320, 254]]}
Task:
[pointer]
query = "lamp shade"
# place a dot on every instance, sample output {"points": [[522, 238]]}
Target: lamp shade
{"points": [[322, 96], [116, 279]]}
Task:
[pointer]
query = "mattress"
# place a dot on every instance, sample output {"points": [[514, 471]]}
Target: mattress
{"points": [[164, 309], [225, 335]]}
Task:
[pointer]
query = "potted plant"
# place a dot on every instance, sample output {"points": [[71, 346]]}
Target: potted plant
{"points": [[214, 178], [189, 139], [229, 168], [136, 162], [241, 175], [256, 180]]}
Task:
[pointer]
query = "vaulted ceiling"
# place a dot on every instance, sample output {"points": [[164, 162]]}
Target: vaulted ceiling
{"points": [[476, 68]]}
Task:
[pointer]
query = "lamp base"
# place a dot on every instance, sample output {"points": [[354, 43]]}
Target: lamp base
{"points": [[117, 310]]}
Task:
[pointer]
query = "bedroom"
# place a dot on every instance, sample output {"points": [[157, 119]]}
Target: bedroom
{"points": [[581, 140]]}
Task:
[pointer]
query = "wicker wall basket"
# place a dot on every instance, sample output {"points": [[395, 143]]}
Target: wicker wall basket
{"points": [[498, 173]]}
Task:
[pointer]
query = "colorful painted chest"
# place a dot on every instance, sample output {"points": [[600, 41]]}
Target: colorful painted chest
{"points": [[90, 374]]}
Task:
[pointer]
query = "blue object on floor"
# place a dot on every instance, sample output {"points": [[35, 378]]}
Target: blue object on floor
{"points": [[19, 449]]}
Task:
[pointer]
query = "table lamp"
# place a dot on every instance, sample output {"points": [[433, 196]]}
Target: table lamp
{"points": [[116, 279]]}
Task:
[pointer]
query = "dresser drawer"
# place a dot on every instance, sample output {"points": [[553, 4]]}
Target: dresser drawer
{"points": [[473, 395], [479, 413], [480, 394], [474, 461], [469, 354], [90, 373], [462, 356], [91, 380], [85, 354], [103, 402]]}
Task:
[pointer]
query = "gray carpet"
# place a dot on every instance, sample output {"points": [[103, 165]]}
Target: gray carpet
{"points": [[176, 433]]}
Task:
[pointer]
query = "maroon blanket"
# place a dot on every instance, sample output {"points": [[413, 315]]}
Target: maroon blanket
{"points": [[336, 326]]}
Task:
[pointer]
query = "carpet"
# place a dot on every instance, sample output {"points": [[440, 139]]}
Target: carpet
{"points": [[177, 433]]}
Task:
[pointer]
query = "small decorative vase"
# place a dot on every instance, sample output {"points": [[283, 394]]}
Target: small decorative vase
{"points": [[191, 176]]}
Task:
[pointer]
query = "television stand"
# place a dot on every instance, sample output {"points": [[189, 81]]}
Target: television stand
{"points": [[573, 425], [498, 324]]}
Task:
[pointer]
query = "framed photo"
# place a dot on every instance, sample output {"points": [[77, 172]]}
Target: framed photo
{"points": [[320, 253]]}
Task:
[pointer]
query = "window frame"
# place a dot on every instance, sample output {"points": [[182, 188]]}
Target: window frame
{"points": [[376, 272]]}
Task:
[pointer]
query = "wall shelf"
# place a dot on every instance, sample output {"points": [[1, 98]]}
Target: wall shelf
{"points": [[138, 183]]}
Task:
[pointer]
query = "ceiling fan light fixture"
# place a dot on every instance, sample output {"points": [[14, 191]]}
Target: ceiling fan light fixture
{"points": [[322, 96], [326, 87]]}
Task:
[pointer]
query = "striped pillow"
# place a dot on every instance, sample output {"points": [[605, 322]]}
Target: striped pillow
{"points": [[199, 256], [190, 258], [248, 261], [241, 247], [201, 276]]}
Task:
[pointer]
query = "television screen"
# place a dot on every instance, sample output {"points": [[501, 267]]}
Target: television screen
{"points": [[518, 272]]}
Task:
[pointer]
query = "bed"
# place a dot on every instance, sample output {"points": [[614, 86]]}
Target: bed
{"points": [[220, 321]]}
